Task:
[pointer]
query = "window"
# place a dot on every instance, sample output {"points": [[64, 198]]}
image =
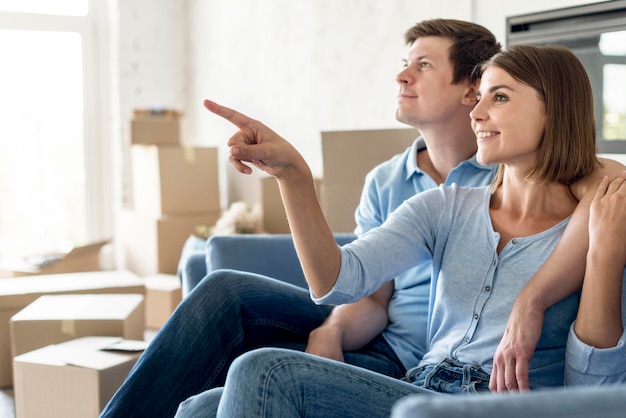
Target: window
{"points": [[51, 167], [596, 33]]}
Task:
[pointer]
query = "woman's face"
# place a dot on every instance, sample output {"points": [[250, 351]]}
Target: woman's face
{"points": [[509, 120]]}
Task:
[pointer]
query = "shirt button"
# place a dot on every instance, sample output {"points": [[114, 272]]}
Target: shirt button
{"points": [[494, 262], [475, 316], [487, 288], [466, 339], [513, 241]]}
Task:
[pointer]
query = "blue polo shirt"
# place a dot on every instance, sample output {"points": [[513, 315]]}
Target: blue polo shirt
{"points": [[387, 186]]}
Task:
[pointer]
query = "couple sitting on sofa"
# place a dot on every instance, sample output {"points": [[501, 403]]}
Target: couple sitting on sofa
{"points": [[230, 313]]}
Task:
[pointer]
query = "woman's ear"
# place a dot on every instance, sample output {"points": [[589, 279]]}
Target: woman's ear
{"points": [[471, 93]]}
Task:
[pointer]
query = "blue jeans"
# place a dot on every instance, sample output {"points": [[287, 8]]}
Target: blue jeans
{"points": [[276, 383], [227, 314]]}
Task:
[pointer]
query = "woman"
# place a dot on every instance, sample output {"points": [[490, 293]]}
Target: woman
{"points": [[485, 245]]}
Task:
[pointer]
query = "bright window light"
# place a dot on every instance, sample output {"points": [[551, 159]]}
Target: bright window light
{"points": [[42, 173], [51, 7], [613, 43]]}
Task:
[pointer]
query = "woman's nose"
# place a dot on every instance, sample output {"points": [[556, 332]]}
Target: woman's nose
{"points": [[477, 113]]}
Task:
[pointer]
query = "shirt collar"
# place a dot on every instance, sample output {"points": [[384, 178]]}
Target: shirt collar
{"points": [[410, 164], [419, 145]]}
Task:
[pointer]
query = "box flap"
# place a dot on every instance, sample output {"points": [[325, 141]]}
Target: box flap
{"points": [[86, 352]]}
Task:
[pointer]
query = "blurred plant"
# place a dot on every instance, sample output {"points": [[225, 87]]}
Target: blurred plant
{"points": [[240, 218]]}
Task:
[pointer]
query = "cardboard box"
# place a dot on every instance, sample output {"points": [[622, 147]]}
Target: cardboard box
{"points": [[74, 379], [153, 245], [150, 129], [81, 258], [274, 215], [347, 158], [18, 292], [340, 204], [171, 180], [163, 294], [53, 319]]}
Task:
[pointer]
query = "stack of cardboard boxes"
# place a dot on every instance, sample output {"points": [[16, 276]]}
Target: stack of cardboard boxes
{"points": [[42, 313], [175, 189]]}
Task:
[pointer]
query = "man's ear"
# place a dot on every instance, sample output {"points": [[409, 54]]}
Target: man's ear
{"points": [[471, 93]]}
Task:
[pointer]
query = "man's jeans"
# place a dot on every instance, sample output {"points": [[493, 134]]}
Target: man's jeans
{"points": [[227, 314], [277, 383]]}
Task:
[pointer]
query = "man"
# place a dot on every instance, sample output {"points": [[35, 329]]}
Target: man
{"points": [[230, 313], [436, 94]]}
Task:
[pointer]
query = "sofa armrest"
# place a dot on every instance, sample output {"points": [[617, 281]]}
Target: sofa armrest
{"points": [[571, 402], [272, 255]]}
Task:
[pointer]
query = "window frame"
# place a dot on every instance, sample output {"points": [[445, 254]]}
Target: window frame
{"points": [[559, 25]]}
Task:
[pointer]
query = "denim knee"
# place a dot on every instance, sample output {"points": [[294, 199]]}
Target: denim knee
{"points": [[251, 364], [204, 404]]}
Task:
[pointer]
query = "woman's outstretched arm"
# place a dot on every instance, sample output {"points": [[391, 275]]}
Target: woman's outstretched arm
{"points": [[258, 145]]}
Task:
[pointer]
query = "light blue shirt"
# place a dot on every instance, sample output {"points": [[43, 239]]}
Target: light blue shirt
{"points": [[473, 287], [587, 365], [387, 186]]}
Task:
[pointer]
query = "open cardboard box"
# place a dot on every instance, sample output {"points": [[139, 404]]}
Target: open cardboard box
{"points": [[72, 379], [78, 259]]}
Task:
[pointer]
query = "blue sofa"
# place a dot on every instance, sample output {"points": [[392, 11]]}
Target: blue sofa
{"points": [[272, 255], [275, 256]]}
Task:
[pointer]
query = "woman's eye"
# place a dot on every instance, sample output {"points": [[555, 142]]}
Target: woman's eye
{"points": [[500, 98], [424, 64]]}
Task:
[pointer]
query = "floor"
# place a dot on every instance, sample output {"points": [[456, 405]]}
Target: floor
{"points": [[7, 405]]}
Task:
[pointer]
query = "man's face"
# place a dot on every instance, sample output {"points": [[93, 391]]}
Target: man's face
{"points": [[426, 94]]}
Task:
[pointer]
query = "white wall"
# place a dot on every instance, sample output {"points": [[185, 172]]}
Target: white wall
{"points": [[299, 66], [152, 59]]}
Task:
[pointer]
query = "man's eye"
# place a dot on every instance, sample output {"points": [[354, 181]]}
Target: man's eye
{"points": [[424, 64]]}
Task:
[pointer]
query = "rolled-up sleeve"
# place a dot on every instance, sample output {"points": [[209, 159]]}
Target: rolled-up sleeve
{"points": [[587, 365]]}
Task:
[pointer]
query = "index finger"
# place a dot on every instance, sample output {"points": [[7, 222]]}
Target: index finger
{"points": [[238, 119]]}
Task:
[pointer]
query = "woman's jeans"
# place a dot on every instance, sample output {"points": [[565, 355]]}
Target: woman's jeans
{"points": [[227, 314], [277, 383]]}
